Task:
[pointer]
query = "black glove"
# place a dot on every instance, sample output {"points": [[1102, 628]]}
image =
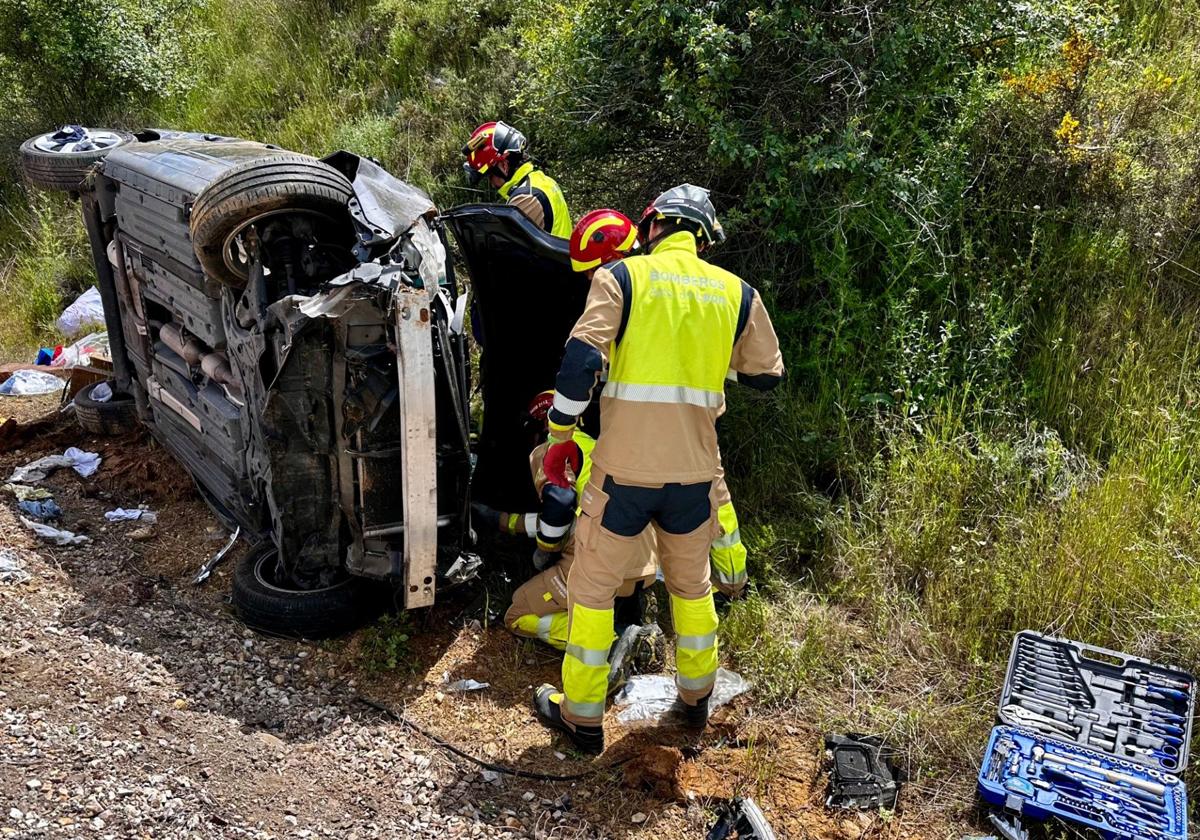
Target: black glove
{"points": [[543, 558], [485, 516]]}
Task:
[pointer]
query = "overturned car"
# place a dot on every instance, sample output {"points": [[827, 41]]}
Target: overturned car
{"points": [[291, 330]]}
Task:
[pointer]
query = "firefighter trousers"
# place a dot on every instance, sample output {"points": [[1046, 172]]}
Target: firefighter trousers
{"points": [[611, 517]]}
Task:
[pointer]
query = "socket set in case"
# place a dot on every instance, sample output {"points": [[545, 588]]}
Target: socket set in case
{"points": [[1091, 736]]}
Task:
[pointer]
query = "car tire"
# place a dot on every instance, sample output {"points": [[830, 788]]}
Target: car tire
{"points": [[281, 183], [51, 165], [309, 614], [117, 416]]}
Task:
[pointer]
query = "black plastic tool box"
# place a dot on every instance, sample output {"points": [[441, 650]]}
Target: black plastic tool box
{"points": [[1092, 736]]}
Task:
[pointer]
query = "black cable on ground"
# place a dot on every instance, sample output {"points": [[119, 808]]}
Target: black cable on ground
{"points": [[400, 718]]}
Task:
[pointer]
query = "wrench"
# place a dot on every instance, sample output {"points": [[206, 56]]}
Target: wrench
{"points": [[1020, 713], [1056, 704], [1039, 754], [1165, 760], [1070, 680], [1060, 671], [1151, 801]]}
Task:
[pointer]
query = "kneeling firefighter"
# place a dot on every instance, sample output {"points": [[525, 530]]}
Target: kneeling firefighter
{"points": [[539, 606], [671, 327]]}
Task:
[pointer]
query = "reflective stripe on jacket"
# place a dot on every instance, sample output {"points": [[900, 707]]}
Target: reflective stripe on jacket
{"points": [[682, 320]]}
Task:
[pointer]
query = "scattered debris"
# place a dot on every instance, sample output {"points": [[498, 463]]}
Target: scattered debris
{"points": [[102, 393], [30, 383], [467, 685], [862, 775], [87, 310], [25, 493], [84, 463], [212, 562], [12, 570], [743, 819], [142, 534], [48, 532], [464, 568], [84, 353], [651, 699], [43, 511], [1009, 828], [131, 515]]}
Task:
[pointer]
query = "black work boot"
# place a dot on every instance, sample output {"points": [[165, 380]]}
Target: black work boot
{"points": [[546, 702], [630, 609], [696, 717]]}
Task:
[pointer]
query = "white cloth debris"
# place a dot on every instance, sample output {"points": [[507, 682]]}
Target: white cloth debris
{"points": [[25, 493], [86, 311], [84, 463], [49, 532], [102, 393], [37, 470], [651, 699], [129, 514], [81, 352], [12, 570], [30, 383]]}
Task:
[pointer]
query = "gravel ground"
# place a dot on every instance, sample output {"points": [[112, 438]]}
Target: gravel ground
{"points": [[135, 705], [127, 710]]}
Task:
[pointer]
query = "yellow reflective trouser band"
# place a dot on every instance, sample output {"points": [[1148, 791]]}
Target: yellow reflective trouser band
{"points": [[696, 644], [552, 629], [727, 552], [585, 667]]}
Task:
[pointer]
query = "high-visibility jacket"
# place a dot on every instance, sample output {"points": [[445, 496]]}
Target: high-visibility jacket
{"points": [[678, 339], [529, 180]]}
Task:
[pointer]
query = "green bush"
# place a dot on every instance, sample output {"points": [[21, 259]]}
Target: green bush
{"points": [[90, 61]]}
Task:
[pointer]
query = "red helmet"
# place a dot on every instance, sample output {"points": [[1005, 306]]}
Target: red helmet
{"points": [[539, 407], [600, 237], [488, 144]]}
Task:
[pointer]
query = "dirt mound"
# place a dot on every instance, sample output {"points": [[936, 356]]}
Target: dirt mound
{"points": [[136, 467]]}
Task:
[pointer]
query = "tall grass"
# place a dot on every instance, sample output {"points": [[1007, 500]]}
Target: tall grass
{"points": [[44, 260]]}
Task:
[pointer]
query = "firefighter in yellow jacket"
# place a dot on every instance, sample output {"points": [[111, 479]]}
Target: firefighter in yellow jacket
{"points": [[672, 328], [497, 151]]}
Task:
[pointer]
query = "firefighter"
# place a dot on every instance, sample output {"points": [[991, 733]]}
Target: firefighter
{"points": [[496, 151], [600, 237], [671, 327], [539, 606]]}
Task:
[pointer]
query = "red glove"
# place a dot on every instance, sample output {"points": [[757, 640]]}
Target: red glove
{"points": [[558, 457]]}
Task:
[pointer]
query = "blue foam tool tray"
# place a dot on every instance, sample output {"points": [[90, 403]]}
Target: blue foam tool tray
{"points": [[1040, 777]]}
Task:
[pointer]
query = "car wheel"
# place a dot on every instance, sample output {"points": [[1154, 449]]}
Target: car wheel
{"points": [[255, 192], [266, 604], [117, 416], [59, 160]]}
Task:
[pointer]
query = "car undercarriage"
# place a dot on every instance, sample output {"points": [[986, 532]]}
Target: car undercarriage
{"points": [[292, 331]]}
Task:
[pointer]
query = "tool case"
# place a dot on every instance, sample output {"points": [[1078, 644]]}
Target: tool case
{"points": [[1091, 736]]}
